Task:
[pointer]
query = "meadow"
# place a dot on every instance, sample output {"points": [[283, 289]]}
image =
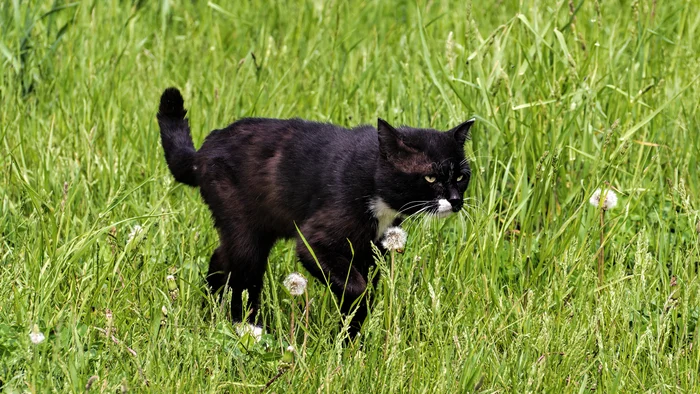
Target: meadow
{"points": [[103, 256]]}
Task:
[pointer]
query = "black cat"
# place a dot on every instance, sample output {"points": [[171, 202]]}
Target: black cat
{"points": [[342, 187]]}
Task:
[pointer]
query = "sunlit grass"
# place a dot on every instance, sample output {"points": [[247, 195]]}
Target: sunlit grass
{"points": [[568, 98]]}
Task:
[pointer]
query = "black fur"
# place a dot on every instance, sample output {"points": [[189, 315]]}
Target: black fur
{"points": [[175, 137], [261, 177]]}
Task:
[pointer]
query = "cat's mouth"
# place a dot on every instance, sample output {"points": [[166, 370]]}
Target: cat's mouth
{"points": [[444, 208]]}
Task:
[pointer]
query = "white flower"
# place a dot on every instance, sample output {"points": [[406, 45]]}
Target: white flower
{"points": [[254, 331], [609, 202], [295, 283], [288, 355], [36, 336], [136, 230], [170, 280], [394, 239]]}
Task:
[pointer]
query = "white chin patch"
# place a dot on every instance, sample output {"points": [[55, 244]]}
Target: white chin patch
{"points": [[444, 208]]}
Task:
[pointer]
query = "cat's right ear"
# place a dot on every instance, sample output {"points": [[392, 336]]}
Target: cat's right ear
{"points": [[391, 143]]}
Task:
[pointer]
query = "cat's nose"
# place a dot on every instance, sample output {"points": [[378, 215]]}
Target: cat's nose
{"points": [[456, 204]]}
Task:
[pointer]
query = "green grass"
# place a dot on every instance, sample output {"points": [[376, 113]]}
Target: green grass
{"points": [[569, 97]]}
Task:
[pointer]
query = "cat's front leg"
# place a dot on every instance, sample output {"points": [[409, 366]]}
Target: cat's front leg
{"points": [[345, 280]]}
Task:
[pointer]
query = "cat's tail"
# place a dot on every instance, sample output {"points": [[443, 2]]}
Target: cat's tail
{"points": [[175, 137]]}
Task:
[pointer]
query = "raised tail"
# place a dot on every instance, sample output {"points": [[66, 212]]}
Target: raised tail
{"points": [[175, 137]]}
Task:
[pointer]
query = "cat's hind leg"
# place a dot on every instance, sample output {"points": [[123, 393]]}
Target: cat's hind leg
{"points": [[240, 264], [241, 259]]}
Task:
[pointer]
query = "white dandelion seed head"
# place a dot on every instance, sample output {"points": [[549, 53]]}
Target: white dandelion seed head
{"points": [[609, 196], [290, 348], [295, 283], [36, 336], [394, 238], [136, 230], [254, 331], [170, 278]]}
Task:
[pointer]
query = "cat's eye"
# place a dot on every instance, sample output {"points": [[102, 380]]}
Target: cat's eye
{"points": [[430, 179], [459, 178]]}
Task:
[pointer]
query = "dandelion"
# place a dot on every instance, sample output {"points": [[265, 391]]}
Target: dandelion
{"points": [[135, 231], [170, 279], [394, 239], [605, 200], [36, 336], [295, 283], [288, 355], [609, 199], [172, 287], [244, 329]]}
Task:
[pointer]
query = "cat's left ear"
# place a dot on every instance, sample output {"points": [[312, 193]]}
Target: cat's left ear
{"points": [[391, 142], [461, 132]]}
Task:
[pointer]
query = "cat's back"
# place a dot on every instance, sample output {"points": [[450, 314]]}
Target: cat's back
{"points": [[284, 165], [256, 140]]}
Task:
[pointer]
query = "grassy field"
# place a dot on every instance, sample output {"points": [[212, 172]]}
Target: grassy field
{"points": [[570, 96]]}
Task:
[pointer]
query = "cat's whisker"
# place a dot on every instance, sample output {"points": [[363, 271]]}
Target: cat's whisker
{"points": [[463, 216], [427, 220], [470, 206], [462, 222], [414, 202], [416, 215], [467, 215], [426, 205], [411, 205]]}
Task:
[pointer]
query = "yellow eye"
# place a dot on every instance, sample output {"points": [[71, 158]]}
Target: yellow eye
{"points": [[459, 178], [430, 179]]}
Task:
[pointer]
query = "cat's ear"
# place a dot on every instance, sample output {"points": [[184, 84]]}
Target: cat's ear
{"points": [[461, 132], [391, 142]]}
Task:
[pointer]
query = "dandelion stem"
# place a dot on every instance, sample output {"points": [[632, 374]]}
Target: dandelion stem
{"points": [[391, 296], [306, 323], [601, 252], [392, 265], [291, 325]]}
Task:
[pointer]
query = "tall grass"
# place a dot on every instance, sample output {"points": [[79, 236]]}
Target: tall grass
{"points": [[569, 97]]}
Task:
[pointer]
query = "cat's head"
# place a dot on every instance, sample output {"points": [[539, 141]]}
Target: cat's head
{"points": [[422, 170]]}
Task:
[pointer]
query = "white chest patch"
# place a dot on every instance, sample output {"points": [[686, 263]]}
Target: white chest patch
{"points": [[384, 214]]}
